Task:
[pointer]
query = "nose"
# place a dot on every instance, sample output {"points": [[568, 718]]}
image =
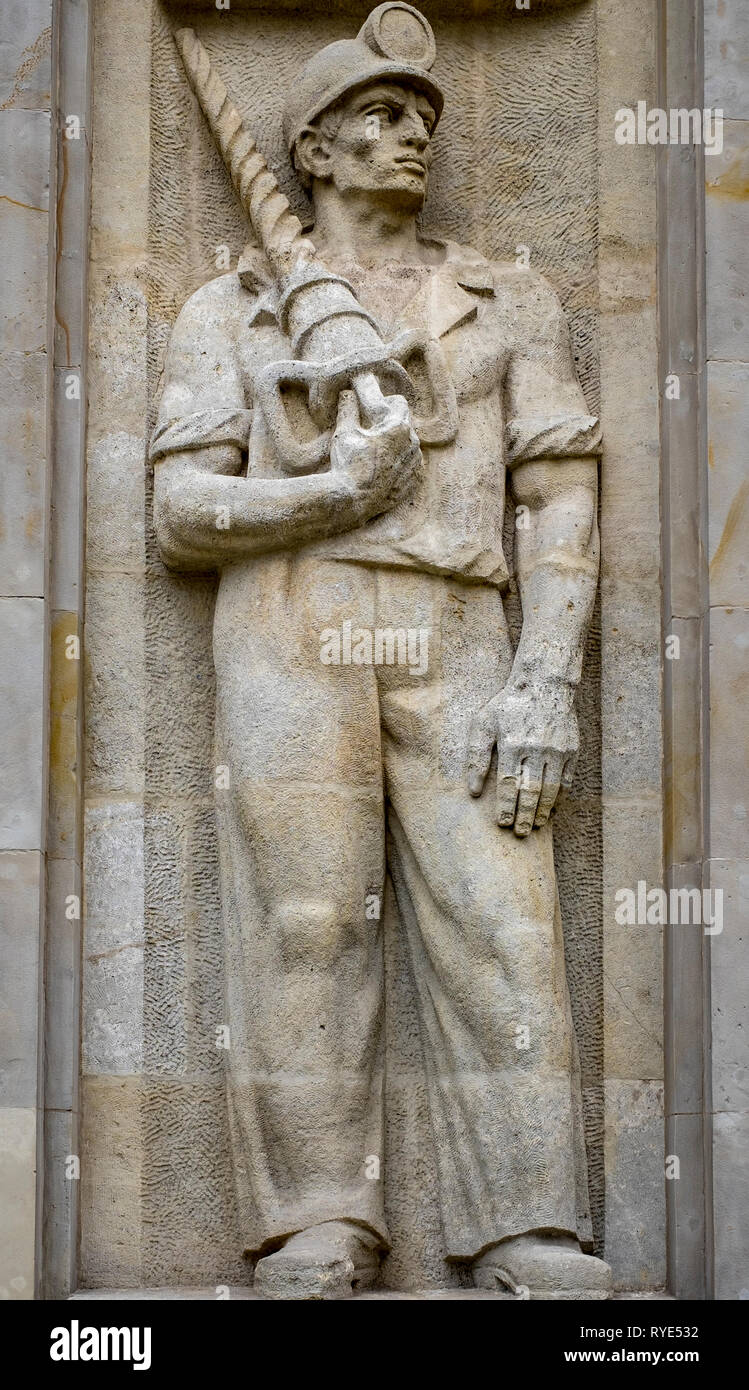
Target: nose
{"points": [[413, 131]]}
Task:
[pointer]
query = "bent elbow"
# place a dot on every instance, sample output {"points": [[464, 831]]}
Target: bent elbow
{"points": [[175, 525]]}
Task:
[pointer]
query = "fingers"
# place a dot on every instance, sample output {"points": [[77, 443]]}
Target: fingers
{"points": [[480, 746], [394, 423], [550, 789], [568, 773], [529, 791], [381, 413], [508, 782], [528, 780], [398, 414]]}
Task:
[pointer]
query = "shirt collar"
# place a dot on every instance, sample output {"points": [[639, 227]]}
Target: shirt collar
{"points": [[449, 298], [469, 268]]}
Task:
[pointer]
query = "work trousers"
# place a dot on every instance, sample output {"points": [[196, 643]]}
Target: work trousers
{"points": [[332, 775]]}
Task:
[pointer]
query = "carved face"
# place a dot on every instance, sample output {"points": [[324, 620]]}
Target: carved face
{"points": [[376, 141]]}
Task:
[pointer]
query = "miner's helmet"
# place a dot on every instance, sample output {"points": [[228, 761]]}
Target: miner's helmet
{"points": [[396, 42]]}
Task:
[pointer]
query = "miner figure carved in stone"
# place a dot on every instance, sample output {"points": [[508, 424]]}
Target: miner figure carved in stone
{"points": [[360, 489]]}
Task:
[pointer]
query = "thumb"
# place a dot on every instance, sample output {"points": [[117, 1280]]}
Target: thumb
{"points": [[481, 740]]}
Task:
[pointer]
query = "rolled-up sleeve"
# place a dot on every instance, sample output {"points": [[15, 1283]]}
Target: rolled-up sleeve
{"points": [[202, 399], [545, 411]]}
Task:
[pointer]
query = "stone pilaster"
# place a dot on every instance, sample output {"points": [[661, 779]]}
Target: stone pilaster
{"points": [[27, 232]]}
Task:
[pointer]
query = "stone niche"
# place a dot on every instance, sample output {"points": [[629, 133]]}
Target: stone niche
{"points": [[525, 158]]}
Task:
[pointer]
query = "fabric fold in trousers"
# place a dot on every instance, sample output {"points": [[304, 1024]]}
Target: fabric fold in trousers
{"points": [[335, 772]]}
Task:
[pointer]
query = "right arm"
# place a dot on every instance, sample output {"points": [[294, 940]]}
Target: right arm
{"points": [[204, 516], [204, 513]]}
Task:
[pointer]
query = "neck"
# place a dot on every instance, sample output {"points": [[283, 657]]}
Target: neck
{"points": [[364, 229]]}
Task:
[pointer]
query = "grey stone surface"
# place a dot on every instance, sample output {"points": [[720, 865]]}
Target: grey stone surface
{"points": [[25, 175], [167, 949], [683, 681], [25, 53], [683, 462], [115, 691], [113, 940], [71, 300], [631, 663], [61, 1204], [731, 1199], [24, 183], [27, 192], [73, 44], [66, 523], [730, 1077], [686, 1205], [632, 964], [727, 223], [22, 893], [62, 984], [726, 47], [23, 490], [18, 1160], [24, 84], [187, 1200], [633, 1002], [111, 1212], [682, 449], [635, 1188], [730, 1008], [120, 117], [76, 52], [110, 1208], [117, 348], [685, 948], [729, 732], [728, 482], [22, 641], [115, 516], [727, 244], [631, 654]]}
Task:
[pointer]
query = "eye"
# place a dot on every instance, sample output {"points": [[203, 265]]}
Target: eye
{"points": [[382, 110]]}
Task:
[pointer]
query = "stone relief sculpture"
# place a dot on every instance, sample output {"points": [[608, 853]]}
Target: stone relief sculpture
{"points": [[338, 421]]}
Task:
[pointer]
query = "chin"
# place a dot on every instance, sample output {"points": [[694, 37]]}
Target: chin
{"points": [[407, 191]]}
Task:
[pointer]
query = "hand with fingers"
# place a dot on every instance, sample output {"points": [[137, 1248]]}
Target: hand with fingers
{"points": [[375, 458], [534, 727]]}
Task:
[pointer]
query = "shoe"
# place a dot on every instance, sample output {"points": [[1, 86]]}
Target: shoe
{"points": [[548, 1267], [333, 1260]]}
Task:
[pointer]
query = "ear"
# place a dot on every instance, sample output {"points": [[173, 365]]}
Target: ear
{"points": [[313, 153]]}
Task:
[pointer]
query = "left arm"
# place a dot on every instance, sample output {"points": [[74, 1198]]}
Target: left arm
{"points": [[532, 720]]}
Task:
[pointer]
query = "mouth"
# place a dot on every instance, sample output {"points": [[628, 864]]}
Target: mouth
{"points": [[412, 164]]}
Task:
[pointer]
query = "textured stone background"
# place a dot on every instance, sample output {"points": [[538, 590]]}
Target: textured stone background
{"points": [[516, 164]]}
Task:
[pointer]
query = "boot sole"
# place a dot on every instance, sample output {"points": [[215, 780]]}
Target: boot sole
{"points": [[315, 1283], [498, 1279]]}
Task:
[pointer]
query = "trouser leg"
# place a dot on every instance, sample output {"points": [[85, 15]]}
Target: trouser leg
{"points": [[302, 850], [480, 910]]}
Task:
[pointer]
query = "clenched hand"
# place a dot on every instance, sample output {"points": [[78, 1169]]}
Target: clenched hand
{"points": [[377, 462]]}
